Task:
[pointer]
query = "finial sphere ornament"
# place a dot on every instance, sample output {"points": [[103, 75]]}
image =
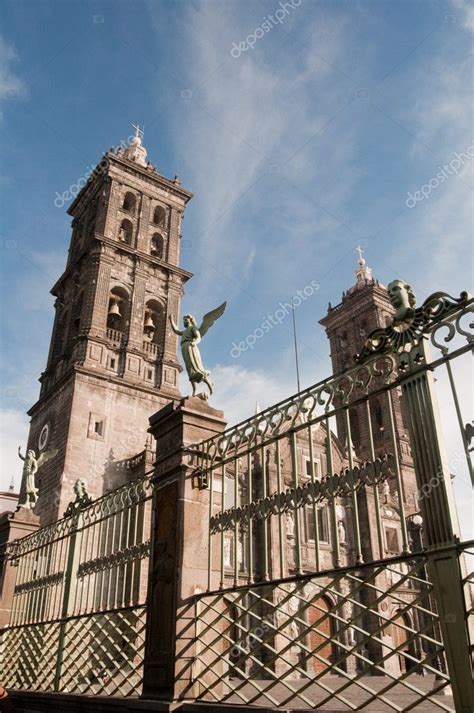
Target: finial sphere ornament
{"points": [[191, 335]]}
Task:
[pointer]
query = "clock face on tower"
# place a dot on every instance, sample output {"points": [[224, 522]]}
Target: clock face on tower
{"points": [[44, 437]]}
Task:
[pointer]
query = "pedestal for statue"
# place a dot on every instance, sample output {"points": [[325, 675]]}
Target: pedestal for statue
{"points": [[179, 552], [13, 526]]}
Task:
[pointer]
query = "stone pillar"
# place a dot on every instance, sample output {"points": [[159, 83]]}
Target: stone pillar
{"points": [[439, 519], [179, 554], [12, 527]]}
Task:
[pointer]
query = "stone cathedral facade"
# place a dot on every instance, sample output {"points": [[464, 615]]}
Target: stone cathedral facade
{"points": [[113, 363]]}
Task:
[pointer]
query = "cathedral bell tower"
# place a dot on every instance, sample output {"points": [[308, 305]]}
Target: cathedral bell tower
{"points": [[113, 357], [364, 307]]}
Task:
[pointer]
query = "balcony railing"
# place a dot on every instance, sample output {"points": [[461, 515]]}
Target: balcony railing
{"points": [[151, 348], [115, 335]]}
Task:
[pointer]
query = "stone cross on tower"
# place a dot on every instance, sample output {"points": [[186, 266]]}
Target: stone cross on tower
{"points": [[138, 132]]}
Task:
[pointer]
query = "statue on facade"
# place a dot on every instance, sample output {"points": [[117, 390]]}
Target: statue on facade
{"points": [[83, 499], [190, 338], [341, 530], [403, 300], [31, 467]]}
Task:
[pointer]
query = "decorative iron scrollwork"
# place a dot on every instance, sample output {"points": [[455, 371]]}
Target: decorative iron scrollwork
{"points": [[40, 583], [415, 324], [115, 559], [339, 484]]}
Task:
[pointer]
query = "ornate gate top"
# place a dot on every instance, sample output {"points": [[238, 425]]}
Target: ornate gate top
{"points": [[410, 323]]}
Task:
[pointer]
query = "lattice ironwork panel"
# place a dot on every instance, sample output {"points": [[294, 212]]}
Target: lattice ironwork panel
{"points": [[363, 639], [100, 653], [103, 653], [28, 657]]}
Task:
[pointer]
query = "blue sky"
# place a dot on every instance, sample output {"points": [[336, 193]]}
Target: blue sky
{"points": [[297, 150]]}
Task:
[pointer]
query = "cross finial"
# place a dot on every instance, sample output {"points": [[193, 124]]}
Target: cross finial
{"points": [[361, 252], [138, 131]]}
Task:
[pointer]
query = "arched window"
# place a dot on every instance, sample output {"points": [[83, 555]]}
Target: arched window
{"points": [[156, 245], [119, 307], [126, 232], [159, 216], [153, 322], [129, 202]]}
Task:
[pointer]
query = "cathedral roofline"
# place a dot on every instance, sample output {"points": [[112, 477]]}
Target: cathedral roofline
{"points": [[354, 296], [149, 173]]}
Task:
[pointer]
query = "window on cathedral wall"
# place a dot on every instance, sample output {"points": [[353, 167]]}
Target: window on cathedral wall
{"points": [[125, 232], [129, 202], [391, 540], [309, 469], [157, 246], [96, 427], [159, 216], [322, 515]]}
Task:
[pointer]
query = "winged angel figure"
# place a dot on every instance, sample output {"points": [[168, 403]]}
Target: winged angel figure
{"points": [[190, 338], [31, 467]]}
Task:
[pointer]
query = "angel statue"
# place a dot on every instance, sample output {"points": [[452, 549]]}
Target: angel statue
{"points": [[31, 467], [190, 338]]}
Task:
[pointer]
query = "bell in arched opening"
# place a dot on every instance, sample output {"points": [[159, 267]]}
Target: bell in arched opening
{"points": [[149, 326], [114, 310]]}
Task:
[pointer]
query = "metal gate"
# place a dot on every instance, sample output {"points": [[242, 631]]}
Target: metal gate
{"points": [[337, 578]]}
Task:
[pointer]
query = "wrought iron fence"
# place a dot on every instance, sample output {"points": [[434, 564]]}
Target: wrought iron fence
{"points": [[349, 637], [78, 615], [326, 543]]}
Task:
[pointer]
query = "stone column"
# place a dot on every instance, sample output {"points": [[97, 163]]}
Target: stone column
{"points": [[13, 526], [179, 555], [439, 519]]}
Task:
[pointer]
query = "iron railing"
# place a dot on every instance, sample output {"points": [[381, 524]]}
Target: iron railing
{"points": [[329, 545], [78, 615], [349, 637]]}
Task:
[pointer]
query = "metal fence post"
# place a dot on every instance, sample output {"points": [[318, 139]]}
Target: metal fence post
{"points": [[69, 592], [439, 518]]}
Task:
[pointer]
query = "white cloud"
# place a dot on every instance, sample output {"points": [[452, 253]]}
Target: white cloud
{"points": [[244, 121], [11, 85], [465, 9], [238, 390], [13, 432]]}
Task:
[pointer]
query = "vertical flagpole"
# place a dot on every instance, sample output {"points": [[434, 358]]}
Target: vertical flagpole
{"points": [[296, 346]]}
